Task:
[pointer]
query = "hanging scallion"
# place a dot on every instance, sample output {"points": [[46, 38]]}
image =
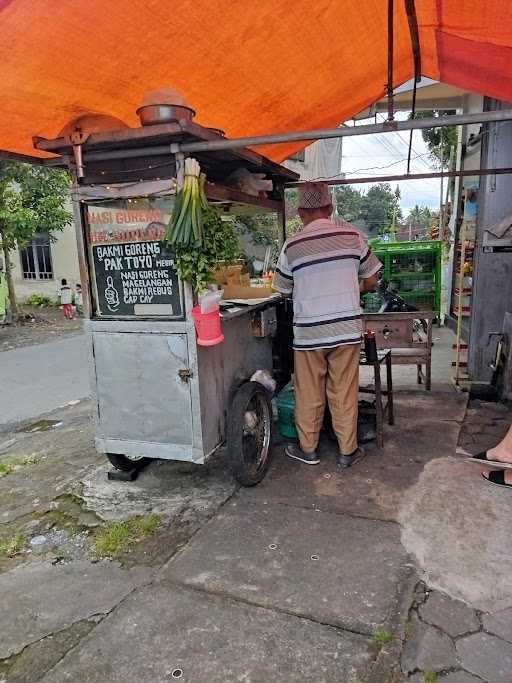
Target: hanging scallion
{"points": [[186, 225], [197, 234]]}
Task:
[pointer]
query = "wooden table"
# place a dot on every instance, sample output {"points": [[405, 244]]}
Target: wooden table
{"points": [[381, 410]]}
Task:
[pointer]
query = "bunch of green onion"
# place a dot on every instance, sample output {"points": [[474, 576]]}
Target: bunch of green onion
{"points": [[186, 225]]}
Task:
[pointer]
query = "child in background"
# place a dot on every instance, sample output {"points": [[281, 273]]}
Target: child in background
{"points": [[78, 299], [65, 299]]}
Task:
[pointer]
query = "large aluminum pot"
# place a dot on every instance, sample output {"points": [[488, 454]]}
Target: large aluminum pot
{"points": [[152, 114]]}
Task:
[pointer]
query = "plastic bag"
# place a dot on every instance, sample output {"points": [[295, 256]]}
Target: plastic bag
{"points": [[209, 301], [264, 378], [250, 183]]}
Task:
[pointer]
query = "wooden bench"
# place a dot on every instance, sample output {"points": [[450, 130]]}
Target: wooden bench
{"points": [[408, 342]]}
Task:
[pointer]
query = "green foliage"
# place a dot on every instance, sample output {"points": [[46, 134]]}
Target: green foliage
{"points": [[220, 244], [39, 301], [29, 460], [382, 638], [265, 229], [32, 200], [291, 195], [420, 216], [6, 468], [348, 202], [116, 537], [378, 208], [262, 228], [293, 226], [439, 141], [430, 677], [14, 464], [11, 546]]}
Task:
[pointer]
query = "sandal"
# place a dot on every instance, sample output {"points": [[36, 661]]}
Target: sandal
{"points": [[497, 477], [481, 459]]}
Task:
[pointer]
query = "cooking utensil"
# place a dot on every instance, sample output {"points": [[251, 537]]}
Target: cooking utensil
{"points": [[152, 114]]}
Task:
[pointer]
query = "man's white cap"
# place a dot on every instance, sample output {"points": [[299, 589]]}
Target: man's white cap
{"points": [[314, 196]]}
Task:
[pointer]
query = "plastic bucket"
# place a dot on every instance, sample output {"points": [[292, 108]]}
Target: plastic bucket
{"points": [[208, 327], [286, 412]]}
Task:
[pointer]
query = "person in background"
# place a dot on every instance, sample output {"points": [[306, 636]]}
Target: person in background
{"points": [[321, 267], [499, 456], [66, 299], [78, 299]]}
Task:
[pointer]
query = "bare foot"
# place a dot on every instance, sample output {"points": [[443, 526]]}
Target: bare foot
{"points": [[499, 453], [508, 476]]}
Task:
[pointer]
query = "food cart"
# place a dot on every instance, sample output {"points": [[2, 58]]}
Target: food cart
{"points": [[158, 393]]}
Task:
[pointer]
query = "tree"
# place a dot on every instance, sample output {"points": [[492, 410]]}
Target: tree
{"points": [[32, 200], [380, 207], [440, 141], [347, 202], [420, 217], [292, 202]]}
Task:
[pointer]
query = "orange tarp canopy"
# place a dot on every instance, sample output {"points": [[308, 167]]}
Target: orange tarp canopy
{"points": [[246, 67]]}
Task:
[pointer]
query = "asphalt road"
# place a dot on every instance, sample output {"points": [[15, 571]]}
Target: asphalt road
{"points": [[37, 379]]}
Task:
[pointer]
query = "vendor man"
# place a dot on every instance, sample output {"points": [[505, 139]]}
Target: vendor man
{"points": [[322, 267]]}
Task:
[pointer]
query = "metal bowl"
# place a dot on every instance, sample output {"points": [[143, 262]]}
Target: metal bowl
{"points": [[152, 114]]}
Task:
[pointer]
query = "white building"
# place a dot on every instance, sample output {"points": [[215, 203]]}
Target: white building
{"points": [[40, 266]]}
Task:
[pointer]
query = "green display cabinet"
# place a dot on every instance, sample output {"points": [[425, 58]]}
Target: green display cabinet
{"points": [[413, 269]]}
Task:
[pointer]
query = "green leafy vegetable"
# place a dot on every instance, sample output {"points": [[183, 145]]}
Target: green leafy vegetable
{"points": [[197, 234], [220, 244]]}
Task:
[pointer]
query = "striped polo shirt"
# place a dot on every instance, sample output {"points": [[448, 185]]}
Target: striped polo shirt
{"points": [[321, 267]]}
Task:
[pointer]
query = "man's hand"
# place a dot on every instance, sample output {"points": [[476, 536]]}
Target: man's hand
{"points": [[369, 284]]}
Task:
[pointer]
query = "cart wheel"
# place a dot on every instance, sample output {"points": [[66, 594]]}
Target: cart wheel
{"points": [[121, 462], [249, 433]]}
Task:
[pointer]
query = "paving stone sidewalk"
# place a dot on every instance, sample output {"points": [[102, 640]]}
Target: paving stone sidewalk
{"points": [[447, 640]]}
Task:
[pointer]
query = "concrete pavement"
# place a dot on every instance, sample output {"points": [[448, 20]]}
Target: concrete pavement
{"points": [[313, 574], [37, 379]]}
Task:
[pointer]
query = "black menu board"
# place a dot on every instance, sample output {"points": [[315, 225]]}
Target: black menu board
{"points": [[137, 278], [134, 272]]}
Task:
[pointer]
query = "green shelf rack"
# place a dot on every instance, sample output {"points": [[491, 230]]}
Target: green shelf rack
{"points": [[413, 269]]}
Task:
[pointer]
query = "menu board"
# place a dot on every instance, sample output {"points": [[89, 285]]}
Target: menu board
{"points": [[137, 278], [134, 271]]}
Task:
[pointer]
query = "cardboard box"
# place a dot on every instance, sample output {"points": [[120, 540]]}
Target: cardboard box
{"points": [[219, 277], [232, 275], [240, 292]]}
